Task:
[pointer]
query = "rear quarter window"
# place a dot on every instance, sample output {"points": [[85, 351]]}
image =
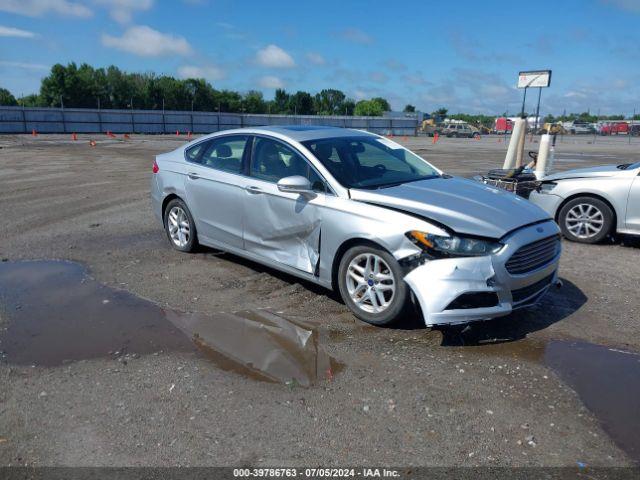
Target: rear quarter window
{"points": [[192, 153]]}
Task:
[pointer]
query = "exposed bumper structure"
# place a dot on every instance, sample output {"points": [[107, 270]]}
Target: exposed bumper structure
{"points": [[459, 290]]}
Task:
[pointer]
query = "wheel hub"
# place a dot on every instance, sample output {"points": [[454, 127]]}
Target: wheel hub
{"points": [[179, 227], [370, 283], [584, 220]]}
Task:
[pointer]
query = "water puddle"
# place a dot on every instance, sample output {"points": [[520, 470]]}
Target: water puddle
{"points": [[607, 380], [52, 313]]}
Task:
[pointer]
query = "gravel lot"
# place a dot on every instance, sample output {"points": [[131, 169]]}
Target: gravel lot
{"points": [[406, 396]]}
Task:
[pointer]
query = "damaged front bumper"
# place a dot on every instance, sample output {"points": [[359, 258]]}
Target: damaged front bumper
{"points": [[464, 289]]}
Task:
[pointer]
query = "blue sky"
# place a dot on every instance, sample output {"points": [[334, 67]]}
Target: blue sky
{"points": [[461, 55]]}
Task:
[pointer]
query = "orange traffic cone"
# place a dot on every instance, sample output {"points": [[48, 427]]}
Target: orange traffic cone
{"points": [[74, 136], [177, 133], [435, 137], [34, 133], [92, 143], [188, 134], [126, 135]]}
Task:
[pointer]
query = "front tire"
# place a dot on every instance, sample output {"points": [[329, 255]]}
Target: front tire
{"points": [[586, 220], [180, 227], [371, 284]]}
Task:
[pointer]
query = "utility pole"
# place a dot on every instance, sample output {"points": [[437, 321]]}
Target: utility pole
{"points": [[538, 110]]}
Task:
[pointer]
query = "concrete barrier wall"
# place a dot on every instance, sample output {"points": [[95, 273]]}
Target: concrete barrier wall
{"points": [[68, 120]]}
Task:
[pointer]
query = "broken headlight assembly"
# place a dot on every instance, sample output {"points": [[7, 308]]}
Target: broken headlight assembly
{"points": [[438, 246], [546, 187]]}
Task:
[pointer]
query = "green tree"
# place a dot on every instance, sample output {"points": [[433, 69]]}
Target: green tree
{"points": [[253, 102], [201, 93], [408, 108], [280, 103], [32, 100], [301, 103], [369, 108], [383, 103], [349, 107], [441, 112], [229, 101], [330, 102], [6, 98]]}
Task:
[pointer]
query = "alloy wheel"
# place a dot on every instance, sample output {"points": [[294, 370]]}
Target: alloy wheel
{"points": [[370, 283], [179, 227], [584, 220]]}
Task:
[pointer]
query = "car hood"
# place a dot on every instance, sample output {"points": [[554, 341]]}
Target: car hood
{"points": [[465, 206], [590, 172]]}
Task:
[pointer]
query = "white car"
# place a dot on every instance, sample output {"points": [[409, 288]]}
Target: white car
{"points": [[591, 203], [361, 214]]}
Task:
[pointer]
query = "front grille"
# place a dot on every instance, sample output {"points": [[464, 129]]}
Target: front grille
{"points": [[474, 300], [534, 255], [522, 294]]}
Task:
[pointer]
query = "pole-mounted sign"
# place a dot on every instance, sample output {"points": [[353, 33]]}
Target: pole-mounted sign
{"points": [[538, 79]]}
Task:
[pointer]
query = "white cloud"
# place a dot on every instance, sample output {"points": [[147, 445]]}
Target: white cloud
{"points": [[629, 5], [23, 65], [316, 58], [356, 35], [37, 8], [378, 77], [193, 71], [273, 56], [122, 10], [147, 42], [15, 32], [270, 81]]}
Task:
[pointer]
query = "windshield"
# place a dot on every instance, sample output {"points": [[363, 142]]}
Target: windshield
{"points": [[369, 162]]}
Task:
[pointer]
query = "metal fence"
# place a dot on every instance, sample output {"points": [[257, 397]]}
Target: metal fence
{"points": [[83, 120]]}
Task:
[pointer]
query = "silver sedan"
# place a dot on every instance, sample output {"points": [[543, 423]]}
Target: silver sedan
{"points": [[590, 203], [358, 213]]}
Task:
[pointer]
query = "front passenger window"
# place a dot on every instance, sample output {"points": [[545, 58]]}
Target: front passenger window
{"points": [[273, 161]]}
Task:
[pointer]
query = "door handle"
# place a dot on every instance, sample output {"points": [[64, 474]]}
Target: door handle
{"points": [[193, 176], [253, 190]]}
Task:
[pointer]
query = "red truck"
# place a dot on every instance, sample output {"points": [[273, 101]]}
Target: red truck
{"points": [[614, 128], [503, 125]]}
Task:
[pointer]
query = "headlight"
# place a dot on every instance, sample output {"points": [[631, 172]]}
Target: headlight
{"points": [[453, 246], [546, 187]]}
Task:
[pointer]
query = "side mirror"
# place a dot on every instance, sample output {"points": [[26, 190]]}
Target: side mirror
{"points": [[295, 184]]}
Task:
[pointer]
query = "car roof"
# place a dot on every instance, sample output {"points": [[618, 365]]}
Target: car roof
{"points": [[302, 133]]}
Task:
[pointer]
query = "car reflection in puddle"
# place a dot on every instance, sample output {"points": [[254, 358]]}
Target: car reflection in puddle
{"points": [[53, 313]]}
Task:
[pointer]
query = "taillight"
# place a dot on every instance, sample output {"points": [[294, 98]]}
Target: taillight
{"points": [[155, 168]]}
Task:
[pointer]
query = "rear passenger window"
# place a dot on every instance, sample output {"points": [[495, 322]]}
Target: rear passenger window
{"points": [[193, 152], [224, 153]]}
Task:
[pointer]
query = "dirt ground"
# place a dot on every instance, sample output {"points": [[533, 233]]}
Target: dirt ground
{"points": [[496, 396]]}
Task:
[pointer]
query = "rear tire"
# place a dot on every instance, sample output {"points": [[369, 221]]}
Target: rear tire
{"points": [[371, 284], [180, 227], [586, 220]]}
